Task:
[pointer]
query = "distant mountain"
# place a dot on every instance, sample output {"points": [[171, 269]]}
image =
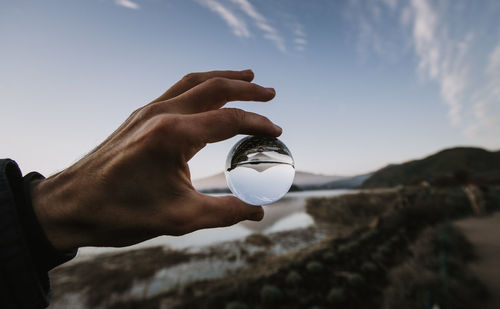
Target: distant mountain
{"points": [[347, 183], [445, 166], [302, 181]]}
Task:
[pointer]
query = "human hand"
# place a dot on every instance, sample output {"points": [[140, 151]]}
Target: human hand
{"points": [[136, 185]]}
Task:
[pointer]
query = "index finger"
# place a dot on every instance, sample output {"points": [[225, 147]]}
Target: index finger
{"points": [[191, 80], [221, 124], [213, 94]]}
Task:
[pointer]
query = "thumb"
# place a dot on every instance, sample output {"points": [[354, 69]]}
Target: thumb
{"points": [[225, 211]]}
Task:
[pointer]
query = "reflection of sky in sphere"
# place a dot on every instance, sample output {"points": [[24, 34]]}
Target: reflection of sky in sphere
{"points": [[260, 184]]}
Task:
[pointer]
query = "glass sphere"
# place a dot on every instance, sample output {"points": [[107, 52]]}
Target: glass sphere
{"points": [[259, 170]]}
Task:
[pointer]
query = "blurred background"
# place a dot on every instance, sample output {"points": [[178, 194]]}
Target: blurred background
{"points": [[391, 109]]}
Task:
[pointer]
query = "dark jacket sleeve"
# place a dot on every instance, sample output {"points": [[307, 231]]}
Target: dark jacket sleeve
{"points": [[26, 255]]}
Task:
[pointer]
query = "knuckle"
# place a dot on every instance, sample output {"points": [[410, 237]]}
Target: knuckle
{"points": [[135, 112], [192, 78], [261, 118], [255, 88], [163, 128], [234, 114], [144, 113], [218, 83]]}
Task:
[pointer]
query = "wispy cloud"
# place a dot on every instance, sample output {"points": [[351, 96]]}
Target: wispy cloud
{"points": [[391, 3], [261, 22], [440, 57], [226, 9], [486, 108], [300, 38], [237, 25], [128, 4], [368, 21], [452, 59]]}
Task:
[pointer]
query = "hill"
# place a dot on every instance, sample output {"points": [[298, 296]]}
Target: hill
{"points": [[347, 183], [450, 165]]}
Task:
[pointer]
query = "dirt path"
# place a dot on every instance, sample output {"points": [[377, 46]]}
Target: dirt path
{"points": [[484, 234]]}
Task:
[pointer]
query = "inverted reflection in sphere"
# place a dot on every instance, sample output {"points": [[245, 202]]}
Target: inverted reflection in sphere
{"points": [[259, 170]]}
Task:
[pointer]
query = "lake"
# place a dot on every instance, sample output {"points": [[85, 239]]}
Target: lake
{"points": [[286, 214]]}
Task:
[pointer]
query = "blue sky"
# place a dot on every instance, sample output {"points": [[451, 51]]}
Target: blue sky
{"points": [[360, 84]]}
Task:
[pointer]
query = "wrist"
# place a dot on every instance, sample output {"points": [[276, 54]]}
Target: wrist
{"points": [[54, 210]]}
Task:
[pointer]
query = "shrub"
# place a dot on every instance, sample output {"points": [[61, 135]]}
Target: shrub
{"points": [[369, 267], [351, 208], [419, 280], [271, 294], [384, 250], [394, 239], [336, 296], [347, 248], [236, 305], [329, 256], [367, 236], [355, 279], [314, 267], [379, 257], [293, 278], [258, 240]]}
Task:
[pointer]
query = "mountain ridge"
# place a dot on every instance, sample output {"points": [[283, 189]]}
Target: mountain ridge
{"points": [[446, 165]]}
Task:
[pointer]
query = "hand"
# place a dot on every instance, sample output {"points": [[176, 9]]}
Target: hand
{"points": [[136, 185]]}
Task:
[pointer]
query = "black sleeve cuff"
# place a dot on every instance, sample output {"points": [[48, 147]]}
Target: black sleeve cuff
{"points": [[47, 257], [26, 255]]}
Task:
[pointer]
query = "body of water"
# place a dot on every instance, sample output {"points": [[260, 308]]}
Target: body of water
{"points": [[286, 214]]}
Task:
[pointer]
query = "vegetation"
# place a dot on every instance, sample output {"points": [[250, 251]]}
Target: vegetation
{"points": [[314, 267], [351, 271], [351, 209], [336, 296], [436, 274], [271, 294], [394, 252], [294, 278], [236, 305]]}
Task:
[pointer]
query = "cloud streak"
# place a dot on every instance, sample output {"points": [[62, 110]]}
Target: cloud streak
{"points": [[441, 58], [227, 11], [300, 38], [467, 73], [370, 22], [261, 22], [129, 4], [486, 107], [236, 24]]}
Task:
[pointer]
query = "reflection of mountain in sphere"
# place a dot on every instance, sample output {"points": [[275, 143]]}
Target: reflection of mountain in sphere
{"points": [[259, 170]]}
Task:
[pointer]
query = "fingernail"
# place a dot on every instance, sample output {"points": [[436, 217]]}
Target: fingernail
{"points": [[278, 127], [271, 90], [247, 72]]}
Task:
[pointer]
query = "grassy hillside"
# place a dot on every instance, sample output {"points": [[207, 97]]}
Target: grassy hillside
{"points": [[451, 165]]}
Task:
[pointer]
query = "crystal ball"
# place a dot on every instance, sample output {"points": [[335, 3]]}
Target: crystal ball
{"points": [[259, 170]]}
